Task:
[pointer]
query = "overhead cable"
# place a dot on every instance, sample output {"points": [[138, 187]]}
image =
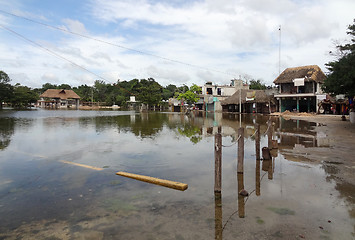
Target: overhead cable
{"points": [[57, 55], [117, 45]]}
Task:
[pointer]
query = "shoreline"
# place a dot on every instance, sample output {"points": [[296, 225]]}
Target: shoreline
{"points": [[340, 153]]}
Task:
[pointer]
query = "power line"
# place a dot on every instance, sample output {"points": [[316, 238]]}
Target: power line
{"points": [[57, 55], [117, 45]]}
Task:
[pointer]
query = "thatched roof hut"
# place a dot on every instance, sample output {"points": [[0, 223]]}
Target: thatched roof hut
{"points": [[248, 96], [60, 94], [309, 73]]}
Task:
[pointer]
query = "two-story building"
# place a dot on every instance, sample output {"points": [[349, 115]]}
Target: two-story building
{"points": [[300, 89], [212, 95]]}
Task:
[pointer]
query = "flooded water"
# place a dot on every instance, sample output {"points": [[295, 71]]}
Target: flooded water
{"points": [[44, 197]]}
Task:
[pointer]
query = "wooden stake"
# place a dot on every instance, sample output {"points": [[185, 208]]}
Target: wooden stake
{"points": [[257, 178], [266, 153], [241, 203], [217, 162], [240, 165], [270, 170], [218, 229], [257, 141], [157, 181], [269, 135]]}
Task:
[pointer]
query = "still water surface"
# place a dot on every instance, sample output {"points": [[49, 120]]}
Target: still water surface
{"points": [[41, 197]]}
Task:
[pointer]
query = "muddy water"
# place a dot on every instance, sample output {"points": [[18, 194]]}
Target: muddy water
{"points": [[41, 197]]}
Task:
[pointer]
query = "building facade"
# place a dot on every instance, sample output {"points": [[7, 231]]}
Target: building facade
{"points": [[300, 89], [59, 98]]}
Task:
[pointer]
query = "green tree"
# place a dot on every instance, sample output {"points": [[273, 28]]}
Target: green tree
{"points": [[190, 96], [150, 92], [341, 77], [47, 86], [23, 96], [100, 91], [85, 92], [6, 90], [168, 91], [257, 85], [64, 86]]}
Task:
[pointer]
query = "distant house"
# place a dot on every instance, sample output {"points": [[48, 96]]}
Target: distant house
{"points": [[212, 95], [252, 101], [59, 98], [300, 89]]}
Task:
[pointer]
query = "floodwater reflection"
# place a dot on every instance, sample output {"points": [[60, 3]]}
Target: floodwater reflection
{"points": [[40, 197]]}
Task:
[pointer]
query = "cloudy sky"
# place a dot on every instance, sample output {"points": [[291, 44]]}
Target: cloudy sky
{"points": [[173, 41]]}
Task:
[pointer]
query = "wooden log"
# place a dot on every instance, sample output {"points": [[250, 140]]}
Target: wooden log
{"points": [[266, 153], [240, 165], [157, 181], [257, 141], [218, 162], [82, 165]]}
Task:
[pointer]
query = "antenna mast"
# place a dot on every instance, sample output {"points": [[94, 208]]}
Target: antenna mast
{"points": [[279, 50]]}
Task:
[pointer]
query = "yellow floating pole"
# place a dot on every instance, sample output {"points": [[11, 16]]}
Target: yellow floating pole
{"points": [[82, 165], [157, 181]]}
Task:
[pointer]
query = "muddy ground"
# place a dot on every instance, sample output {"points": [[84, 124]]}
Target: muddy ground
{"points": [[339, 158]]}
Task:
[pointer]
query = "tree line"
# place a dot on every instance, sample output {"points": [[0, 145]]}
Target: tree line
{"points": [[147, 91]]}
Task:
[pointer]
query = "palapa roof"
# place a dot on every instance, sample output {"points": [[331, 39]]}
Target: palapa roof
{"points": [[309, 73], [59, 93], [255, 96]]}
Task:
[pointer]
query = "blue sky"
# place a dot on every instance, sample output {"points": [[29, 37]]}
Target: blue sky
{"points": [[225, 39]]}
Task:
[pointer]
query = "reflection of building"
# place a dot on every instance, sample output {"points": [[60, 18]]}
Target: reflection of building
{"points": [[300, 88], [212, 95], [59, 98]]}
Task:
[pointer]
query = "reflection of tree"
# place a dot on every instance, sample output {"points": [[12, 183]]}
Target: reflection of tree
{"points": [[7, 126], [143, 125], [192, 132]]}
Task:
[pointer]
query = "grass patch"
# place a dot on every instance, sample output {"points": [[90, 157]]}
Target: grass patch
{"points": [[281, 211]]}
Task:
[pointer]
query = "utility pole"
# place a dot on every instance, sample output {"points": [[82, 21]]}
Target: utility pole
{"points": [[279, 50]]}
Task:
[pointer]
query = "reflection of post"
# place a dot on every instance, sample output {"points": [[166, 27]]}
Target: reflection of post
{"points": [[240, 165], [241, 203], [270, 170], [257, 151], [217, 162], [269, 135], [218, 216], [257, 178]]}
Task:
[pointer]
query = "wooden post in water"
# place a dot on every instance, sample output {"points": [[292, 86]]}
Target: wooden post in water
{"points": [[257, 141], [269, 134], [240, 165], [266, 153], [217, 162], [218, 229], [257, 152], [257, 178], [241, 203]]}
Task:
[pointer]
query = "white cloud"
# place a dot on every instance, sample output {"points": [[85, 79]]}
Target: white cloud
{"points": [[75, 26], [50, 78], [239, 37]]}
